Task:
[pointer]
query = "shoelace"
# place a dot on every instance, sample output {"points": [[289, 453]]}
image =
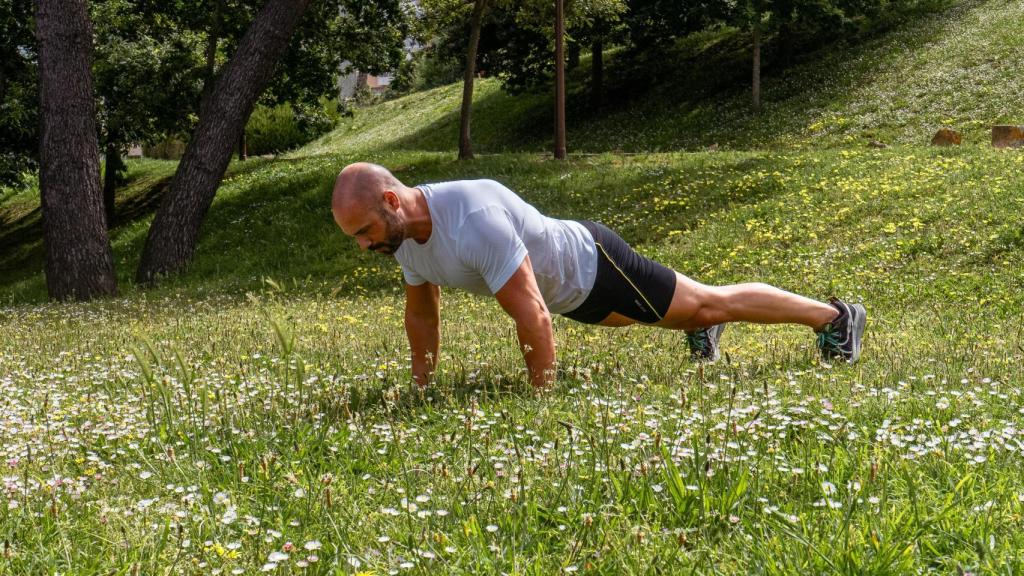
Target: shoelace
{"points": [[828, 340], [698, 341]]}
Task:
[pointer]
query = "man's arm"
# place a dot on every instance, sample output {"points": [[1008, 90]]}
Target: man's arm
{"points": [[520, 298], [422, 326]]}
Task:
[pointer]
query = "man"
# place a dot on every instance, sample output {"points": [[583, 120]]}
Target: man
{"points": [[480, 236]]}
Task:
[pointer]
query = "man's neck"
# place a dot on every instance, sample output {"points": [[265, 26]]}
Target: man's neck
{"points": [[418, 224]]}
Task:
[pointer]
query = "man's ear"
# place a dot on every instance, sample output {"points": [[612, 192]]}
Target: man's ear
{"points": [[391, 199]]}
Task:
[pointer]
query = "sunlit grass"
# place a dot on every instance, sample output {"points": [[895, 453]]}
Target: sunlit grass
{"points": [[195, 429]]}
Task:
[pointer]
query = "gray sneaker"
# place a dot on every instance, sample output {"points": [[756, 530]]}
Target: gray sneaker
{"points": [[704, 343], [841, 338]]}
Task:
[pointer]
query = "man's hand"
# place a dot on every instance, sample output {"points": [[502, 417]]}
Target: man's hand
{"points": [[422, 326], [520, 298]]}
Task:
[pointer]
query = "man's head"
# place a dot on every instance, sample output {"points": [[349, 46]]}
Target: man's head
{"points": [[367, 204]]}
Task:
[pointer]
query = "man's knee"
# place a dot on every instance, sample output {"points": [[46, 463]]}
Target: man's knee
{"points": [[691, 304]]}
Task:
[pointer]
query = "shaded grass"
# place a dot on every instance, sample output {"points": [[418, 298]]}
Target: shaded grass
{"points": [[958, 67]]}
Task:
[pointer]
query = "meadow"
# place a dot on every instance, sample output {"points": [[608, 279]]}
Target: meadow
{"points": [[270, 424], [256, 415]]}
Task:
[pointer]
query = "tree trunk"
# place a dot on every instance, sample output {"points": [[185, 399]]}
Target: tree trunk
{"points": [[111, 178], [243, 147], [465, 143], [756, 91], [597, 71], [79, 263], [175, 230], [574, 55], [212, 39], [560, 151]]}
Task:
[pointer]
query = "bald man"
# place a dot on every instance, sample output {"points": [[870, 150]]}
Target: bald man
{"points": [[480, 236]]}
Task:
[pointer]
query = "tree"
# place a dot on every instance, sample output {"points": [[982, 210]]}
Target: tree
{"points": [[225, 109], [79, 262], [761, 18], [367, 30], [147, 74], [560, 151], [465, 143]]}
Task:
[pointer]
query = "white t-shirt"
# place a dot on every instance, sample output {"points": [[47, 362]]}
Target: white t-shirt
{"points": [[481, 232]]}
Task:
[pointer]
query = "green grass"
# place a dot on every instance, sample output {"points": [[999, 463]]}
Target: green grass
{"points": [[161, 411], [260, 405], [960, 67]]}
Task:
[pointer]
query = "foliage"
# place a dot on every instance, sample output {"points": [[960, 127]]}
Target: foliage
{"points": [[516, 42], [19, 105], [883, 88], [150, 64], [284, 127]]}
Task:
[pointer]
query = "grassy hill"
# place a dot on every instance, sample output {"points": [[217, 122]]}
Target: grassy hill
{"points": [[960, 67], [254, 414]]}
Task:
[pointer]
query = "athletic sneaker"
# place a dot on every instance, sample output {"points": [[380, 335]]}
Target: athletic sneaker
{"points": [[704, 343], [841, 337]]}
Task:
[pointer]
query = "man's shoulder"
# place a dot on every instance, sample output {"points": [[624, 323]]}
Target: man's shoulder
{"points": [[466, 189]]}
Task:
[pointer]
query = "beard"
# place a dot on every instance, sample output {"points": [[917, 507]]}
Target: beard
{"points": [[394, 234]]}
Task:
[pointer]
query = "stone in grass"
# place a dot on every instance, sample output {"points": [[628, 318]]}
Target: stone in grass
{"points": [[1008, 136], [946, 137]]}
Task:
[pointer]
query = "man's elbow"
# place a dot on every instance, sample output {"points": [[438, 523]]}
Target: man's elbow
{"points": [[537, 317]]}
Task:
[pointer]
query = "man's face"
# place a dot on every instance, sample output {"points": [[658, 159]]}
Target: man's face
{"points": [[379, 230], [393, 233]]}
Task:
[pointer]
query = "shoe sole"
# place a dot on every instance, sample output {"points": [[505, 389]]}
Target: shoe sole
{"points": [[860, 321]]}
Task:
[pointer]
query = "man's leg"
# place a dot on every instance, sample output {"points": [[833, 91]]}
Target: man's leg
{"points": [[695, 305]]}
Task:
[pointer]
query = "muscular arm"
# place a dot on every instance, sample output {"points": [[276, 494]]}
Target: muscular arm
{"points": [[520, 298], [422, 326]]}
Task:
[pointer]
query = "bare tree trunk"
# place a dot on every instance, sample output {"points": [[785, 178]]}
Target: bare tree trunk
{"points": [[597, 71], [756, 91], [574, 50], [79, 263], [560, 151], [111, 177], [175, 230], [465, 143], [243, 147]]}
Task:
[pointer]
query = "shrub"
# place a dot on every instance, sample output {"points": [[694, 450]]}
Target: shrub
{"points": [[275, 129]]}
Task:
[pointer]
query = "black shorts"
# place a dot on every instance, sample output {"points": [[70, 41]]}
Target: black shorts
{"points": [[635, 287]]}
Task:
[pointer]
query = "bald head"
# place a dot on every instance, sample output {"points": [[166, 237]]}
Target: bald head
{"points": [[361, 187], [368, 204]]}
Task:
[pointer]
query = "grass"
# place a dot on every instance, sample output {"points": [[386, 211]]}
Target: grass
{"points": [[255, 413], [958, 67], [195, 429]]}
